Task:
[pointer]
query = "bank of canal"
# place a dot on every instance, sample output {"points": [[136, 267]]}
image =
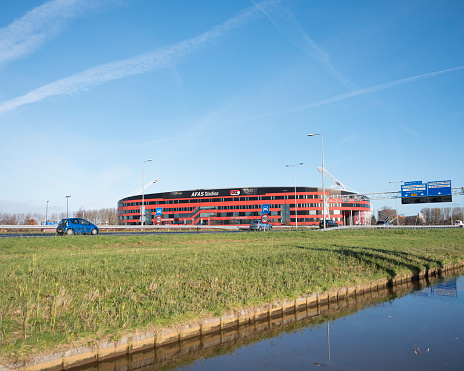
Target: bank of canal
{"points": [[178, 342], [413, 325]]}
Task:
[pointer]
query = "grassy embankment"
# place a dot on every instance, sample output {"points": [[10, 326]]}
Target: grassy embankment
{"points": [[79, 289]]}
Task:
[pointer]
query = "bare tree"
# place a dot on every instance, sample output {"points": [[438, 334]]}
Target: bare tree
{"points": [[458, 213], [436, 216], [387, 212], [101, 216], [446, 212]]}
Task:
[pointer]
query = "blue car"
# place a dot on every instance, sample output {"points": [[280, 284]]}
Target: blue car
{"points": [[71, 226], [257, 225]]}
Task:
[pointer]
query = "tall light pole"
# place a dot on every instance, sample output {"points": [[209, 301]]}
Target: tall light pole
{"points": [[294, 181], [323, 184], [46, 213], [142, 207], [397, 216], [67, 198]]}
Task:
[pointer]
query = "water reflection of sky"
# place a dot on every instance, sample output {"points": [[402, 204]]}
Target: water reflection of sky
{"points": [[423, 330]]}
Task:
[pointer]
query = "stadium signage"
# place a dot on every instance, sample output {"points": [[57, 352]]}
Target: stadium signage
{"points": [[235, 192], [204, 194]]}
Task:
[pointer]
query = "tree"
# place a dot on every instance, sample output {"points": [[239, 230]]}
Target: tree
{"points": [[387, 212], [458, 213]]}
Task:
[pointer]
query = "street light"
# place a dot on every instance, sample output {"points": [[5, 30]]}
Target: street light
{"points": [[397, 217], [67, 198], [46, 213], [323, 185], [294, 181], [142, 207]]}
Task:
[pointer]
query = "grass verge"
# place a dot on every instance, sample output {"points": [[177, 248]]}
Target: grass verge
{"points": [[69, 291]]}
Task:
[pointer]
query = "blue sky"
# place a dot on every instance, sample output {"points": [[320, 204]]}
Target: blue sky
{"points": [[223, 94]]}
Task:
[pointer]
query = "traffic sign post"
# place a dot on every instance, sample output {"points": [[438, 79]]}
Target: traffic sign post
{"points": [[419, 192], [265, 209], [159, 214]]}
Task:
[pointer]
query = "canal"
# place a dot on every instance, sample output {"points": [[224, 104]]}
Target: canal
{"points": [[415, 326]]}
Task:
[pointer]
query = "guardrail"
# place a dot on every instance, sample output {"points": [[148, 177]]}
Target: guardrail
{"points": [[394, 227], [51, 228], [119, 227]]}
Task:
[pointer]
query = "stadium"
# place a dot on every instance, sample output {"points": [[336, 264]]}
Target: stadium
{"points": [[302, 206]]}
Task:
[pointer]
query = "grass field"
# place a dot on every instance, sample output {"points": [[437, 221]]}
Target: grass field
{"points": [[79, 289]]}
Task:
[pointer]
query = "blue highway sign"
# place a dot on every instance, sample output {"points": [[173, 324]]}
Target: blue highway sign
{"points": [[415, 182], [414, 190], [439, 188], [159, 211]]}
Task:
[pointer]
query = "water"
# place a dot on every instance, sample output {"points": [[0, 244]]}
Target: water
{"points": [[407, 328]]}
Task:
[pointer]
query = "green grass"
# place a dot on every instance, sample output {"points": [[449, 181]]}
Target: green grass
{"points": [[79, 289]]}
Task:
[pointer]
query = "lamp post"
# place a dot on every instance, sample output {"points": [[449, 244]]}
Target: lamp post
{"points": [[294, 182], [323, 184], [46, 213], [397, 216], [142, 207], [67, 198]]}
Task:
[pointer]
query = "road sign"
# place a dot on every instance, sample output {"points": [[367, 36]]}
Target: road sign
{"points": [[419, 192], [439, 188], [265, 209], [264, 218], [159, 211], [414, 190], [158, 219]]}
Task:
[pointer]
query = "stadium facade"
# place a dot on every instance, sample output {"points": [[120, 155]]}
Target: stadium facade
{"points": [[239, 206]]}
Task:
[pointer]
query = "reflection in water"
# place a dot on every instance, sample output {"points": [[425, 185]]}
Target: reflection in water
{"points": [[363, 328], [448, 288], [328, 347]]}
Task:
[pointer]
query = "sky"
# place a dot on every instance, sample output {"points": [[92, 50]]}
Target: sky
{"points": [[223, 94]]}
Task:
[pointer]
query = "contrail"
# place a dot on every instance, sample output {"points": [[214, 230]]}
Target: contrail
{"points": [[157, 59], [290, 28], [354, 93], [28, 33], [374, 89]]}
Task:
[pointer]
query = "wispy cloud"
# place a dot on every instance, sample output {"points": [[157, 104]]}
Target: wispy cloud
{"points": [[160, 58], [28, 33], [291, 29]]}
